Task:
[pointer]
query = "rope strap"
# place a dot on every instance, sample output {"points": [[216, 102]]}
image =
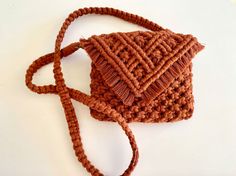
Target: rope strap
{"points": [[67, 93]]}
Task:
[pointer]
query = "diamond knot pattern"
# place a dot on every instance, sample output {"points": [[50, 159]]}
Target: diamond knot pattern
{"points": [[141, 63]]}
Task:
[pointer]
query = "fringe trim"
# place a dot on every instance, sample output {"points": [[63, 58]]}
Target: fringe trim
{"points": [[164, 81], [109, 74]]}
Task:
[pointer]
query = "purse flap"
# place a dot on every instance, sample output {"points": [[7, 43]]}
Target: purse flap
{"points": [[140, 63]]}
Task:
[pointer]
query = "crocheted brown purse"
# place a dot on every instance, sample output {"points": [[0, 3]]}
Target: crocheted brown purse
{"points": [[140, 76]]}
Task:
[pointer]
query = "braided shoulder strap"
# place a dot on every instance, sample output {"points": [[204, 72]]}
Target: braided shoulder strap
{"points": [[67, 93]]}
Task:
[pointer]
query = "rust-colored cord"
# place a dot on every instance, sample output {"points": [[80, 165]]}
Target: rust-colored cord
{"points": [[67, 93]]}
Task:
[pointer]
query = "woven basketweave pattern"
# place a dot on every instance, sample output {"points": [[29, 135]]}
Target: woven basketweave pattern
{"points": [[141, 64], [140, 76]]}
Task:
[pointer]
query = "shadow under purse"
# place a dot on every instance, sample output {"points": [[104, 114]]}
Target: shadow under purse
{"points": [[140, 76]]}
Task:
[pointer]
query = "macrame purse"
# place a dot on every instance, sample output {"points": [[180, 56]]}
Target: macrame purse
{"points": [[140, 76]]}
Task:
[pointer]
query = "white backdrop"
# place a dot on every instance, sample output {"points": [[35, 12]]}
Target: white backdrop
{"points": [[34, 138]]}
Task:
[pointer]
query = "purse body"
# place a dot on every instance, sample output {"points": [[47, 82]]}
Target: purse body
{"points": [[173, 104], [121, 58]]}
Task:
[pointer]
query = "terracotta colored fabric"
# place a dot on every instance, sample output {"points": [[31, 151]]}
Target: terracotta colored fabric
{"points": [[140, 76]]}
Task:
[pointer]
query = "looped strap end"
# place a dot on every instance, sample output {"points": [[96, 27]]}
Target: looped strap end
{"points": [[70, 49]]}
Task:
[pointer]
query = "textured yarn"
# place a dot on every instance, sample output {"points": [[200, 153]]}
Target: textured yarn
{"points": [[140, 76]]}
